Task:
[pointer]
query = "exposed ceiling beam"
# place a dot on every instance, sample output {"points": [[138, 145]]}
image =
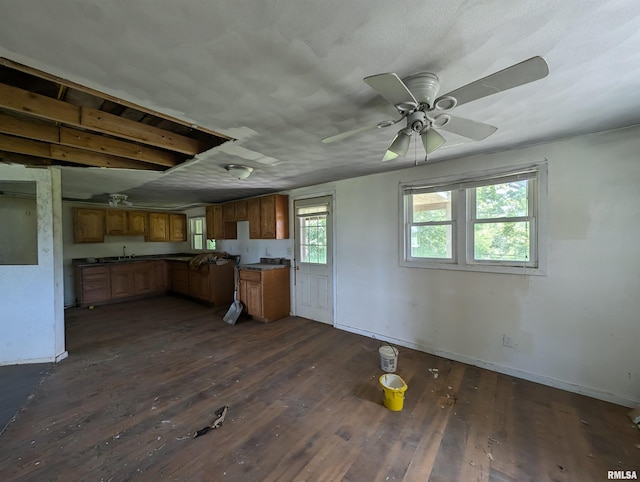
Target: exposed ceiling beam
{"points": [[40, 106], [69, 154], [82, 88], [67, 136]]}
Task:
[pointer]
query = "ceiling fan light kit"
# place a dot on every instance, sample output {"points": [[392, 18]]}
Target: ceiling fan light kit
{"points": [[238, 171], [116, 199], [415, 99]]}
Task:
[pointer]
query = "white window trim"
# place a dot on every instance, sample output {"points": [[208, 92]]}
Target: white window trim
{"points": [[462, 247]]}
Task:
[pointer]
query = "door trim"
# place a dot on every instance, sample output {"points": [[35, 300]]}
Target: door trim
{"points": [[292, 214]]}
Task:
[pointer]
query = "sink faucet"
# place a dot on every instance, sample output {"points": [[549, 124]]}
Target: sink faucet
{"points": [[124, 251]]}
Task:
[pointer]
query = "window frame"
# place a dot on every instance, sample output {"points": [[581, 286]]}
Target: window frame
{"points": [[193, 234], [463, 218]]}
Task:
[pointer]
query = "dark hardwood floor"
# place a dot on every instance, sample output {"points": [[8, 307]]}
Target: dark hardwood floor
{"points": [[304, 405]]}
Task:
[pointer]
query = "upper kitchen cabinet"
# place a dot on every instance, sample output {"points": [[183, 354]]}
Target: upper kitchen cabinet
{"points": [[88, 225], [158, 227], [253, 213], [116, 222], [274, 217], [137, 223], [215, 224], [177, 227], [241, 210]]}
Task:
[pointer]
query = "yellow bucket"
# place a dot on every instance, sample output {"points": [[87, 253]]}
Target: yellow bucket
{"points": [[394, 388]]}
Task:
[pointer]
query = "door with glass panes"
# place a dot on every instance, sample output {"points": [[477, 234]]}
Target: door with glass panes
{"points": [[314, 259]]}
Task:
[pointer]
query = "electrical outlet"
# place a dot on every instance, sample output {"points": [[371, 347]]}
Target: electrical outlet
{"points": [[508, 342]]}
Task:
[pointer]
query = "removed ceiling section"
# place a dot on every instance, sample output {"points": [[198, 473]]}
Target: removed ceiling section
{"points": [[46, 120]]}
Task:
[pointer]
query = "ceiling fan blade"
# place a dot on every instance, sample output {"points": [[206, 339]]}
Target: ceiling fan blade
{"points": [[353, 132], [466, 127], [345, 135], [528, 71], [431, 140], [391, 87]]}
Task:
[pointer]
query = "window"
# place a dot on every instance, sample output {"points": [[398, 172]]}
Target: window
{"points": [[485, 223], [199, 241], [313, 234]]}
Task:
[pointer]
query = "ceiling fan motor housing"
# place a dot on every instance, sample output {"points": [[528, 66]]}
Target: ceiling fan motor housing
{"points": [[424, 86]]}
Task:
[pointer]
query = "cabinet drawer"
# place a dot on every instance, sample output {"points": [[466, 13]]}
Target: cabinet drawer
{"points": [[250, 275]]}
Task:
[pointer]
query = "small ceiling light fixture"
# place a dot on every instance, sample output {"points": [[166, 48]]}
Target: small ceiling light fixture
{"points": [[238, 171]]}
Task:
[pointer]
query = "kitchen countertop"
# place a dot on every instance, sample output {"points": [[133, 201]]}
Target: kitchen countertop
{"points": [[262, 266], [137, 259]]}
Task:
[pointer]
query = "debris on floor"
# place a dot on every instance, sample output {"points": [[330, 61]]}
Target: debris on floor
{"points": [[634, 415], [220, 414], [434, 372]]}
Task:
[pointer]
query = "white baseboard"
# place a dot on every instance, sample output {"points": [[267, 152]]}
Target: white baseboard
{"points": [[532, 377], [27, 361], [62, 356]]}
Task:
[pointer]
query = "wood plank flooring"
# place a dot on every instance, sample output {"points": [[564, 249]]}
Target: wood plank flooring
{"points": [[304, 405]]}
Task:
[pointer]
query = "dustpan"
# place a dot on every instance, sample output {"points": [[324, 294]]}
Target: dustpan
{"points": [[234, 311]]}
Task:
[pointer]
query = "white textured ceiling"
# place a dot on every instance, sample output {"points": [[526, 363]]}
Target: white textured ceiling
{"points": [[279, 75]]}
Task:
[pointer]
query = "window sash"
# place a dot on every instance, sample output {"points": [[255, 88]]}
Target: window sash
{"points": [[463, 220]]}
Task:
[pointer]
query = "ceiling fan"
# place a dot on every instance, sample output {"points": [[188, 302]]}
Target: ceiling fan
{"points": [[414, 97], [116, 199]]}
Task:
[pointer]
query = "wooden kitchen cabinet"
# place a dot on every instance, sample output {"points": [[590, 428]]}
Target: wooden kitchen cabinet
{"points": [[88, 225], [265, 293], [93, 284], [179, 277], [177, 227], [268, 217], [229, 212], [241, 210], [115, 222], [132, 279], [137, 222], [253, 214], [158, 227], [209, 283], [215, 224]]}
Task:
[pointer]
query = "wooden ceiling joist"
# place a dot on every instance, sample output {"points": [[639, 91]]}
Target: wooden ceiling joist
{"points": [[45, 150], [43, 116], [67, 136], [23, 101], [58, 80]]}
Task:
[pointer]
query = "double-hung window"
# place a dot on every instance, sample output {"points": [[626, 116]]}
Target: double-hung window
{"points": [[198, 235], [488, 222]]}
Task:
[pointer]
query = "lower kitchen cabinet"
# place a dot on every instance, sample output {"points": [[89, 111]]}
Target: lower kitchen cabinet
{"points": [[97, 285], [209, 283], [265, 293], [93, 285]]}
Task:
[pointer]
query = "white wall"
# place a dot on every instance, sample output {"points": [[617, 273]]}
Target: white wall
{"points": [[251, 250], [576, 328], [111, 247], [31, 331]]}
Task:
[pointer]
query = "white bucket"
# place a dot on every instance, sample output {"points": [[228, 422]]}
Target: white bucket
{"points": [[388, 358]]}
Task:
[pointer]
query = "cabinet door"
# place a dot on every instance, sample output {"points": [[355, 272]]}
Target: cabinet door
{"points": [[253, 213], [88, 225], [177, 227], [142, 278], [158, 227], [160, 276], [121, 281], [115, 222], [179, 273], [229, 212], [268, 217], [93, 284], [241, 211], [137, 223], [254, 298]]}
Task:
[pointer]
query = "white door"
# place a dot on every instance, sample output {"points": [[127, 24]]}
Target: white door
{"points": [[314, 258]]}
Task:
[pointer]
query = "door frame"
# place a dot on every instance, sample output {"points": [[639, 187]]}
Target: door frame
{"points": [[292, 221]]}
